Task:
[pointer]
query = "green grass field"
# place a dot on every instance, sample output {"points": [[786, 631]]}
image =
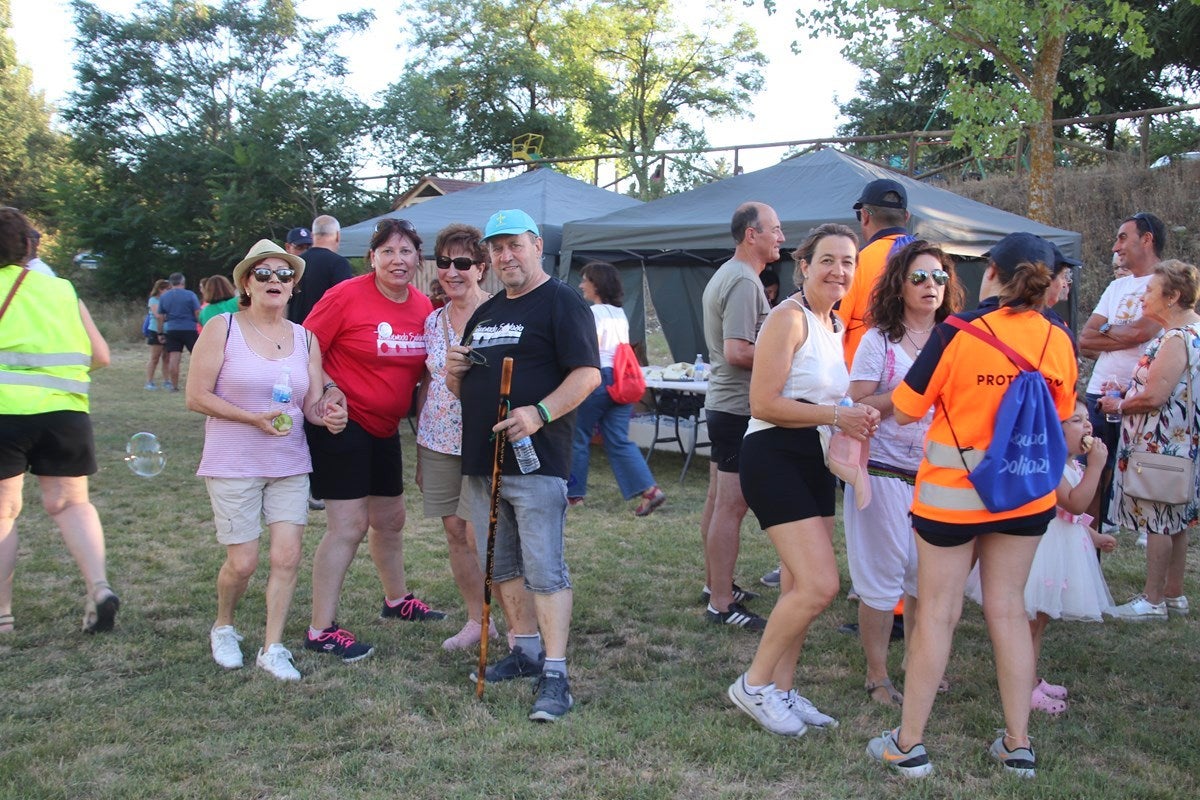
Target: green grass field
{"points": [[145, 713]]}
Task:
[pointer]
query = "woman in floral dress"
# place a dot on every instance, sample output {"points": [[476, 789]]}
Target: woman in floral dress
{"points": [[1161, 414]]}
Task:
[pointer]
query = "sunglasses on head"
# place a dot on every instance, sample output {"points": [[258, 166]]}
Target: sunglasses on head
{"points": [[394, 224], [460, 264], [919, 276], [263, 274]]}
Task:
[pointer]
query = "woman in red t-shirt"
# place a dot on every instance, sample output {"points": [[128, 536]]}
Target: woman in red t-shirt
{"points": [[372, 328]]}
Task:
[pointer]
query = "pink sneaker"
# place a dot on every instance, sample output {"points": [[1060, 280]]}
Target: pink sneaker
{"points": [[469, 635]]}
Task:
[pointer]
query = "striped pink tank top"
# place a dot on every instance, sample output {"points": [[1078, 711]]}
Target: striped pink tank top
{"points": [[237, 450]]}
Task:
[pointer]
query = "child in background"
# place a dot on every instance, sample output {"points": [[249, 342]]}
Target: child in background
{"points": [[1065, 581]]}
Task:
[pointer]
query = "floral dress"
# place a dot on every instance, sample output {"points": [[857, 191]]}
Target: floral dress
{"points": [[1172, 430]]}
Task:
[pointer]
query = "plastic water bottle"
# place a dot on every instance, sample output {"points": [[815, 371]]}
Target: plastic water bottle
{"points": [[700, 370], [1112, 388], [527, 458], [281, 392]]}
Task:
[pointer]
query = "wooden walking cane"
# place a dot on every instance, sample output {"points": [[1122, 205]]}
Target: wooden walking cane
{"points": [[506, 369]]}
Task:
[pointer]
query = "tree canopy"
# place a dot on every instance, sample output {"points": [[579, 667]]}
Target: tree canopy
{"points": [[202, 128], [31, 152], [1024, 40], [589, 77]]}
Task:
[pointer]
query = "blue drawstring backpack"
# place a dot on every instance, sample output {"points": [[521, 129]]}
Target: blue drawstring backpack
{"points": [[1028, 451]]}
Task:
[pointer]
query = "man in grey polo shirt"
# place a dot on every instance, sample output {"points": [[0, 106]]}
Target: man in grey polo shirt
{"points": [[734, 309]]}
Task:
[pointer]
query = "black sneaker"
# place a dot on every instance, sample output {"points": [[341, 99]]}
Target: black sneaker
{"points": [[339, 642], [737, 615], [740, 595], [410, 609], [515, 665], [554, 699]]}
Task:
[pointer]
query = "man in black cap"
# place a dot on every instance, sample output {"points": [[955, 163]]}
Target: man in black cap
{"points": [[882, 211], [298, 241]]}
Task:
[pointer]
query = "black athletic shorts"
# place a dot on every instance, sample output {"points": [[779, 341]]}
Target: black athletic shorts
{"points": [[55, 444], [176, 341], [725, 431], [353, 463], [784, 477]]}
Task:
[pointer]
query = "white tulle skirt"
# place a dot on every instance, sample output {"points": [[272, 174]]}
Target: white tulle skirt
{"points": [[1065, 581]]}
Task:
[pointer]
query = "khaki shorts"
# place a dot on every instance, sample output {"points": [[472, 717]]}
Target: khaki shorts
{"points": [[241, 506], [441, 476]]}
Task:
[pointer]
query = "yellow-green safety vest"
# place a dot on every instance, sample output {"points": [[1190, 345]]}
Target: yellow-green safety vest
{"points": [[45, 353]]}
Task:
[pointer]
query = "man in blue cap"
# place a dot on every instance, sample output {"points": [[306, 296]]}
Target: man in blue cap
{"points": [[550, 333]]}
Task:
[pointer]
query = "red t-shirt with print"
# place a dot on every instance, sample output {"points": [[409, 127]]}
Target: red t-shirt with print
{"points": [[373, 348]]}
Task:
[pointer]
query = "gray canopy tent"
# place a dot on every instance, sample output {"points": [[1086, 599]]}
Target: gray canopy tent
{"points": [[678, 242], [550, 197]]}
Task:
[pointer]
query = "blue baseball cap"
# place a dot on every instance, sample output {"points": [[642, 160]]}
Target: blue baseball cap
{"points": [[1061, 259], [510, 222], [299, 236], [1020, 248]]}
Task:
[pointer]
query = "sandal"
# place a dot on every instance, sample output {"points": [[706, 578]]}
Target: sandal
{"points": [[894, 698], [1044, 702], [7, 623], [99, 616], [1051, 689], [652, 498]]}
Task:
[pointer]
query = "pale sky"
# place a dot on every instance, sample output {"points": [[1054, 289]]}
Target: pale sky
{"points": [[798, 101]]}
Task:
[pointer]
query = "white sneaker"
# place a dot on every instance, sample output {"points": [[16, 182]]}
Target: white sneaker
{"points": [[766, 708], [1140, 609], [1177, 606], [805, 711], [225, 649], [277, 660], [1141, 540]]}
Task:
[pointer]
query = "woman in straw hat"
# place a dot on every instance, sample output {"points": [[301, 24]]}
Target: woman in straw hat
{"points": [[256, 461]]}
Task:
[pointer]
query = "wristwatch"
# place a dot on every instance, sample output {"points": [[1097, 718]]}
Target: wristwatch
{"points": [[1105, 328], [543, 413]]}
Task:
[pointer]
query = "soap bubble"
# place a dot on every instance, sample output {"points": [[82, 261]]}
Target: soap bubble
{"points": [[146, 457]]}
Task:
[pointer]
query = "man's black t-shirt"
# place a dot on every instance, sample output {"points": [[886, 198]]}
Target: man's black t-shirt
{"points": [[548, 333], [323, 269]]}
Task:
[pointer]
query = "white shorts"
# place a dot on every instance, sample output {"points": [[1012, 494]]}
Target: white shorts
{"points": [[241, 506], [881, 548]]}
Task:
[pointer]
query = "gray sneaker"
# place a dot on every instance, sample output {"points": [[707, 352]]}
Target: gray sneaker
{"points": [[767, 708], [911, 764], [515, 665], [1177, 606], [1020, 762], [225, 648], [771, 579], [553, 694], [1139, 609]]}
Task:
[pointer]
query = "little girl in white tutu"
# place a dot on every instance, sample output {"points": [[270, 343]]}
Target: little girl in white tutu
{"points": [[1065, 581]]}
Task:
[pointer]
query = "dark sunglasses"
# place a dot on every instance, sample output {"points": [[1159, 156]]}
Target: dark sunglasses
{"points": [[263, 274], [460, 264], [919, 276]]}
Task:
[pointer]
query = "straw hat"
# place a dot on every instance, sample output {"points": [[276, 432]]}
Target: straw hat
{"points": [[265, 248]]}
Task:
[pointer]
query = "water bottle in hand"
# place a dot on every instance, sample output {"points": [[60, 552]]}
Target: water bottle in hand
{"points": [[281, 392], [1112, 388], [527, 458]]}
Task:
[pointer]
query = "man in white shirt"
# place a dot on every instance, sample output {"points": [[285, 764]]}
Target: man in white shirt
{"points": [[1116, 333]]}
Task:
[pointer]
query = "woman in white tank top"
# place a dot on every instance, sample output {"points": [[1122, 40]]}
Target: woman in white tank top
{"points": [[797, 381]]}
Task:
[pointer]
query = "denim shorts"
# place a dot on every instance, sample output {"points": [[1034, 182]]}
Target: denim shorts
{"points": [[530, 520]]}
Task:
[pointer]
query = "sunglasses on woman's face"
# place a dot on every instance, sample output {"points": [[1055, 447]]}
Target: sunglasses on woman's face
{"points": [[919, 276], [460, 264], [263, 274]]}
